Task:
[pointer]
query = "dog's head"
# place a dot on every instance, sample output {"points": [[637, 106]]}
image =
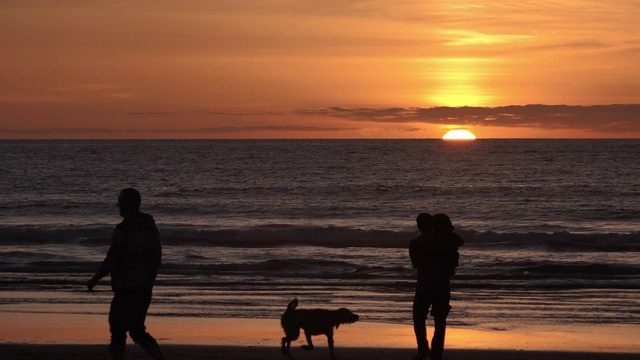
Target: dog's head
{"points": [[345, 316]]}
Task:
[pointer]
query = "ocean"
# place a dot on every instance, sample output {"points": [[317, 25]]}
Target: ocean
{"points": [[551, 227]]}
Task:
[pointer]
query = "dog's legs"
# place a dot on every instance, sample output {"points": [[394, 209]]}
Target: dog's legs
{"points": [[310, 346], [286, 347], [330, 341]]}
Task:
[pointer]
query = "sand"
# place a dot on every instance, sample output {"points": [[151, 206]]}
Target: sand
{"points": [[198, 352], [68, 336]]}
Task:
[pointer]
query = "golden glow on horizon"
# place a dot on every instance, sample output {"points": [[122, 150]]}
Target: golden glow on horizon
{"points": [[455, 97], [458, 82], [459, 135]]}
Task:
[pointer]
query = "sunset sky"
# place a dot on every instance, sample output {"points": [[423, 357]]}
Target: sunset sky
{"points": [[319, 69]]}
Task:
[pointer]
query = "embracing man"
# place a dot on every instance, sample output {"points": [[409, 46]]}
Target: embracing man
{"points": [[133, 261], [435, 255]]}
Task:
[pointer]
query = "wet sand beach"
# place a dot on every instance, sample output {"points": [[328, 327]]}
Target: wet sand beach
{"points": [[69, 336], [198, 352]]}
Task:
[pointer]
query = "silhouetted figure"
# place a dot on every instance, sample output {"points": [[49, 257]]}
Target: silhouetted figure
{"points": [[133, 261], [435, 255]]}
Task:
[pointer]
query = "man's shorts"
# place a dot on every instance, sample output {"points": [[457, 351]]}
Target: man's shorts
{"points": [[437, 299]]}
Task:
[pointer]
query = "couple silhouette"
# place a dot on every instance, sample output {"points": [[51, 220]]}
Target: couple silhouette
{"points": [[435, 255]]}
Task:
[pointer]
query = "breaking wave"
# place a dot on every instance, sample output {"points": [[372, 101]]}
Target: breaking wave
{"points": [[331, 236]]}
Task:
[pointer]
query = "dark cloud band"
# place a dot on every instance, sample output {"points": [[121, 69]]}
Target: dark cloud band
{"points": [[604, 118]]}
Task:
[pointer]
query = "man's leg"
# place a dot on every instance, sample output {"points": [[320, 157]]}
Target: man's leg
{"points": [[117, 326], [437, 342], [137, 314], [440, 312], [420, 310]]}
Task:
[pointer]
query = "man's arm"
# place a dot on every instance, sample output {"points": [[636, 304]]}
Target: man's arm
{"points": [[412, 253], [107, 264], [417, 253]]}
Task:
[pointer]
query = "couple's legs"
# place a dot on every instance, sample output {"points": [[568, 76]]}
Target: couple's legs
{"points": [[128, 312], [421, 304], [437, 342], [438, 300]]}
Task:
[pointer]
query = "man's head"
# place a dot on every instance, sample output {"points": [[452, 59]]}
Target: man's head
{"points": [[424, 222], [129, 201]]}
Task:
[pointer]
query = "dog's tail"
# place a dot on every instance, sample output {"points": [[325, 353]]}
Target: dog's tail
{"points": [[292, 305]]}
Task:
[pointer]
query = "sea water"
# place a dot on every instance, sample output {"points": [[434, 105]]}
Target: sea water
{"points": [[551, 227]]}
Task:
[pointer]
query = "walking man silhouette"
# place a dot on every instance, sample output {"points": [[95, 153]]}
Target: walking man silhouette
{"points": [[133, 261]]}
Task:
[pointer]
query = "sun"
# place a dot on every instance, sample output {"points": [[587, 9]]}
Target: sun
{"points": [[459, 135]]}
